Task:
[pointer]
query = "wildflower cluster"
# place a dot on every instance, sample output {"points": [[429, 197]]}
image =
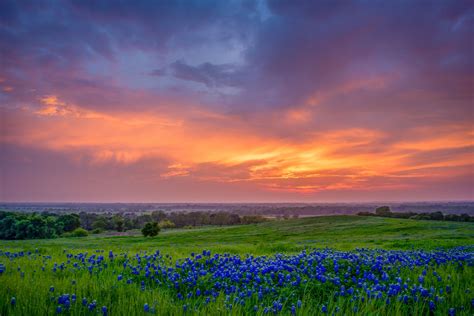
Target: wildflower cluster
{"points": [[272, 284]]}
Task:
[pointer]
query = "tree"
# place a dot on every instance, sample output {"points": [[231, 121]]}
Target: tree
{"points": [[70, 222], [437, 216], [100, 223], [383, 211], [119, 223], [151, 229], [157, 216]]}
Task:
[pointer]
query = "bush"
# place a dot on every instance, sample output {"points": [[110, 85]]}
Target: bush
{"points": [[437, 216], [97, 231], [151, 229], [365, 214], [166, 223], [383, 211], [253, 219], [78, 232]]}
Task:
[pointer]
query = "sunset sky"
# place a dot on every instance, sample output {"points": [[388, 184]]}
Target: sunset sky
{"points": [[236, 101]]}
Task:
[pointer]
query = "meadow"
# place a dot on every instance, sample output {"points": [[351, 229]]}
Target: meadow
{"points": [[340, 265]]}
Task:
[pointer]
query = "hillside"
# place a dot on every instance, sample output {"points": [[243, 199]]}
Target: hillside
{"points": [[340, 232]]}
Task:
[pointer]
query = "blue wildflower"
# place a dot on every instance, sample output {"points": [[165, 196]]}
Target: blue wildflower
{"points": [[432, 306]]}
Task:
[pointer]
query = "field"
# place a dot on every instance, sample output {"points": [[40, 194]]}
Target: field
{"points": [[217, 270]]}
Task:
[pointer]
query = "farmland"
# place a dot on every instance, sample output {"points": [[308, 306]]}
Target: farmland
{"points": [[298, 266]]}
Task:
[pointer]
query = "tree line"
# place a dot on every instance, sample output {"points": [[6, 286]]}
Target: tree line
{"points": [[18, 225], [33, 226], [384, 211]]}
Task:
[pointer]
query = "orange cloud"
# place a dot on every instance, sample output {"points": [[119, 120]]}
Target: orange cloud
{"points": [[222, 148]]}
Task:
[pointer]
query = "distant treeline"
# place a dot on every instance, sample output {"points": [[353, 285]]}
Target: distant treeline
{"points": [[18, 225], [33, 226], [384, 211]]}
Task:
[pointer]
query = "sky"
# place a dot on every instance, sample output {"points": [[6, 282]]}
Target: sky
{"points": [[236, 101]]}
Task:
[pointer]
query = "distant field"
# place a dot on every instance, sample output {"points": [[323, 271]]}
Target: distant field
{"points": [[54, 276]]}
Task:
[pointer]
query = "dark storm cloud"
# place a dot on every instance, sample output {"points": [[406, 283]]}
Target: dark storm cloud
{"points": [[208, 74], [47, 46], [313, 46]]}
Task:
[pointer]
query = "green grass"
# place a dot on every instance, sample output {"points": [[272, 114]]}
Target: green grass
{"points": [[339, 232], [285, 236]]}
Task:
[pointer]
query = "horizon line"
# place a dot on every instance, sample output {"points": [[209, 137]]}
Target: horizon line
{"points": [[237, 202]]}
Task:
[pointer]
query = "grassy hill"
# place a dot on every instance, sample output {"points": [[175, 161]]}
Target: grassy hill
{"points": [[43, 282], [339, 232]]}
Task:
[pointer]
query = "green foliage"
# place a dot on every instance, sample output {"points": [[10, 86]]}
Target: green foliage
{"points": [[78, 232], [383, 211], [158, 216], [100, 223], [166, 223], [290, 236], [69, 222], [28, 226], [253, 219], [119, 223], [151, 229]]}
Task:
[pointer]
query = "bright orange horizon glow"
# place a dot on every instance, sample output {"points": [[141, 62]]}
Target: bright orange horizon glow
{"points": [[334, 160]]}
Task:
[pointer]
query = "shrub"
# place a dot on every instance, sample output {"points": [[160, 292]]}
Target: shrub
{"points": [[166, 223], [365, 214], [151, 229], [78, 232], [97, 231], [253, 219], [383, 211], [437, 216]]}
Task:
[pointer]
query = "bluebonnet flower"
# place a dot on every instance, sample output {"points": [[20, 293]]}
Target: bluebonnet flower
{"points": [[361, 275], [432, 305], [146, 308], [13, 301]]}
